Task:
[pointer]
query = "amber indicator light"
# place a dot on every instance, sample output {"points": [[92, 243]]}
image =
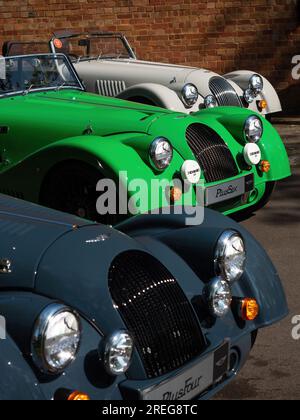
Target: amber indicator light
{"points": [[249, 309], [78, 396], [263, 104], [265, 166], [175, 194]]}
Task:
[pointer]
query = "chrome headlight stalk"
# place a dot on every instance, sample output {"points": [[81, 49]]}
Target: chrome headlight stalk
{"points": [[56, 338], [189, 95], [230, 256], [161, 153], [115, 352]]}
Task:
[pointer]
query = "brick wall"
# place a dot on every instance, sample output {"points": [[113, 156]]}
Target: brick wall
{"points": [[221, 35]]}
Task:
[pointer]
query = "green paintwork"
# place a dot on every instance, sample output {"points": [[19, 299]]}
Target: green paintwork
{"points": [[48, 128]]}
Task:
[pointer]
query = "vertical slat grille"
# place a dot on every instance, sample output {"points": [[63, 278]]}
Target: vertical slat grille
{"points": [[156, 311], [213, 155], [110, 87], [224, 92]]}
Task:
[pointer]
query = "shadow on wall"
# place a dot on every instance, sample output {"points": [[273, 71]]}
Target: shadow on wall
{"points": [[270, 52], [290, 99]]}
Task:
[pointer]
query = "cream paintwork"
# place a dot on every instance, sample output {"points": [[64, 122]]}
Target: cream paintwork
{"points": [[156, 83], [161, 83]]}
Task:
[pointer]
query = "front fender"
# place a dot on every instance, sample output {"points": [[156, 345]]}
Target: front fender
{"points": [[241, 78], [160, 95], [271, 144], [127, 153], [196, 245], [17, 380]]}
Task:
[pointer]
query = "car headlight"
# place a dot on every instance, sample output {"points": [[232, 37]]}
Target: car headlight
{"points": [[161, 153], [249, 96], [56, 338], [218, 297], [116, 352], [256, 83], [230, 256], [190, 95], [253, 129], [210, 101]]}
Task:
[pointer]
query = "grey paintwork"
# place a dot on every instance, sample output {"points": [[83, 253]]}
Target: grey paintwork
{"points": [[55, 258]]}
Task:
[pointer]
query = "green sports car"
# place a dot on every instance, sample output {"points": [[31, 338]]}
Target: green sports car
{"points": [[57, 143]]}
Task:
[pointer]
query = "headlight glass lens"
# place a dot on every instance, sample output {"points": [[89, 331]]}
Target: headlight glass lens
{"points": [[56, 338], [161, 153], [190, 95], [249, 96], [118, 350], [256, 83], [253, 129], [219, 297], [230, 256], [210, 101]]}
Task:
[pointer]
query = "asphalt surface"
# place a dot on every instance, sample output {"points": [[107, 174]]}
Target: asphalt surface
{"points": [[273, 370]]}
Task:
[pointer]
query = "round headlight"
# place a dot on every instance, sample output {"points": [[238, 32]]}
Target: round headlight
{"points": [[253, 129], [161, 153], [116, 352], [256, 83], [210, 101], [56, 338], [218, 297], [249, 96], [230, 256], [190, 95]]}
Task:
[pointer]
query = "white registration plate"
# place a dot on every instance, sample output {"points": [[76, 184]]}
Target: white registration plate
{"points": [[225, 191], [194, 381]]}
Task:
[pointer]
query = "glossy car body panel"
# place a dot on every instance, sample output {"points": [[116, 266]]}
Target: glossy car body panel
{"points": [[74, 270], [112, 136]]}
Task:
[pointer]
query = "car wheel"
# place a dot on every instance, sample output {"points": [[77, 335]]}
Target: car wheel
{"points": [[244, 214], [71, 188]]}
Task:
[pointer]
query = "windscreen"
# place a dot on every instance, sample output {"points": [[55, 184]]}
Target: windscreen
{"points": [[24, 74]]}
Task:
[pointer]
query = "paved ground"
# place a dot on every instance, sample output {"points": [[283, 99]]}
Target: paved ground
{"points": [[273, 371]]}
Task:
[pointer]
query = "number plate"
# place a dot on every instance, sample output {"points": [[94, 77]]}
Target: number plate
{"points": [[225, 191], [193, 381]]}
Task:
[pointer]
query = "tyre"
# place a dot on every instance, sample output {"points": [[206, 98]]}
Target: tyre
{"points": [[71, 188]]}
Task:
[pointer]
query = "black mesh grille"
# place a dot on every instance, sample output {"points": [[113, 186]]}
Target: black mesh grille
{"points": [[211, 152], [156, 311], [224, 92]]}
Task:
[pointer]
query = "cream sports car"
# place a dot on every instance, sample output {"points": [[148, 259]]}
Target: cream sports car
{"points": [[108, 66]]}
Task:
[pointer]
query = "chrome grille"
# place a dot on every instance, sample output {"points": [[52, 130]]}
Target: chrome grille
{"points": [[110, 87], [156, 311], [211, 152], [224, 92]]}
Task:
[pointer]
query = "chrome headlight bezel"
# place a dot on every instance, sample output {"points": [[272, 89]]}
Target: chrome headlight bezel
{"points": [[39, 338], [218, 297], [256, 83], [109, 346], [249, 96], [257, 134], [210, 101], [189, 95], [221, 263], [160, 164]]}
